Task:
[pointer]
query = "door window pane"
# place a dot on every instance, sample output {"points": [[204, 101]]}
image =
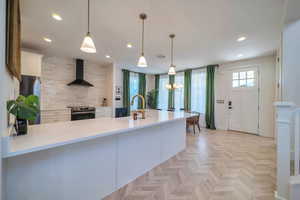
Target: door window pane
{"points": [[242, 83], [242, 75], [235, 83], [235, 75], [250, 74], [250, 82]]}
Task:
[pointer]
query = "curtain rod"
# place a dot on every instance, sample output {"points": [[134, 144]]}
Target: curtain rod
{"points": [[134, 71], [202, 67]]}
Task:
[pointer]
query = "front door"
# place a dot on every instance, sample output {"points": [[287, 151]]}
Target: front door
{"points": [[243, 102]]}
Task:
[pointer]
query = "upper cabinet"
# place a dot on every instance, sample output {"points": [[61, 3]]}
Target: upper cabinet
{"points": [[31, 63]]}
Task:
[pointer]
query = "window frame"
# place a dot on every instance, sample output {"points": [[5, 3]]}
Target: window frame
{"points": [[136, 76], [179, 91], [238, 78], [163, 79], [202, 95]]}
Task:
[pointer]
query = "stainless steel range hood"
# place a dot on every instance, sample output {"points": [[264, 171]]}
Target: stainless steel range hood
{"points": [[80, 75]]}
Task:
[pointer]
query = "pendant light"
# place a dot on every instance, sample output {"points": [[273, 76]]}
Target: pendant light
{"points": [[172, 70], [88, 45], [142, 60]]}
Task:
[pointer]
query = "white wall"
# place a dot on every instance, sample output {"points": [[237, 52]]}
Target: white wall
{"points": [[291, 63], [109, 84], [117, 82], [3, 84], [267, 66], [6, 86]]}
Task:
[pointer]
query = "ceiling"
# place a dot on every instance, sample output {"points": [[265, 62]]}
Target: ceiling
{"points": [[291, 13], [206, 30]]}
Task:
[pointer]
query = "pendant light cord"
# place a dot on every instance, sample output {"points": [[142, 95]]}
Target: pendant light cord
{"points": [[172, 36], [88, 16], [171, 52], [143, 38]]}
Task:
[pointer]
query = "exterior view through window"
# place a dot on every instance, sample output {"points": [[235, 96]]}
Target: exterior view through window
{"points": [[243, 79]]}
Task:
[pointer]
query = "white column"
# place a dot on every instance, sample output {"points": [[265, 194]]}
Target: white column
{"points": [[294, 188], [284, 112]]}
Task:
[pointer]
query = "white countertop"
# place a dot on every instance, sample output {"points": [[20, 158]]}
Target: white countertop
{"points": [[45, 136]]}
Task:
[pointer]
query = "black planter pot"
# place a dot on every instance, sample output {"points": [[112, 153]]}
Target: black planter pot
{"points": [[21, 126]]}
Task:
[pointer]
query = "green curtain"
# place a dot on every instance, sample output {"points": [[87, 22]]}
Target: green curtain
{"points": [[126, 90], [187, 89], [171, 93], [210, 97], [142, 88], [156, 90]]}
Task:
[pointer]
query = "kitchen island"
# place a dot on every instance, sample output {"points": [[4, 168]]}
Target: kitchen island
{"points": [[89, 159]]}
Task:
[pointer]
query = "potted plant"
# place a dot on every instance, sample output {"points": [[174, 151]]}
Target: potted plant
{"points": [[24, 109], [151, 98]]}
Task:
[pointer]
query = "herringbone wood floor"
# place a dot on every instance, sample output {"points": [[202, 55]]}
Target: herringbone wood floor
{"points": [[215, 165]]}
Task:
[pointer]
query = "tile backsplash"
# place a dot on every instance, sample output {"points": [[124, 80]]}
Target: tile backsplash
{"points": [[58, 72]]}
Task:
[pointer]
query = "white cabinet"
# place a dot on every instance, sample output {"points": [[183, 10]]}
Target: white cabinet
{"points": [[103, 111], [53, 116], [31, 63]]}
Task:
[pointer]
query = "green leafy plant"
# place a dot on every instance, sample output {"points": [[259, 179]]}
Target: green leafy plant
{"points": [[151, 98], [26, 108]]}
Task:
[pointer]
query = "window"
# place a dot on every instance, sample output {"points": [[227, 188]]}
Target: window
{"points": [[243, 79], [163, 93], [179, 93], [134, 88], [198, 90]]}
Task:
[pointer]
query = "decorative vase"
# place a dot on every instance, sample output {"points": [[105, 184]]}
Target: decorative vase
{"points": [[21, 126]]}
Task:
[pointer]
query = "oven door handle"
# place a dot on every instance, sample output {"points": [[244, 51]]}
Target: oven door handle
{"points": [[78, 113]]}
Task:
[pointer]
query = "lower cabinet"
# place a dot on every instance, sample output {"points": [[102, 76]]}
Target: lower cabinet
{"points": [[52, 116], [103, 112]]}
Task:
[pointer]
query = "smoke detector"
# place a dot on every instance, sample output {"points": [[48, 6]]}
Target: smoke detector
{"points": [[161, 56]]}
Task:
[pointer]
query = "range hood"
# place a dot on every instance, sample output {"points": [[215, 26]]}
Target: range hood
{"points": [[80, 75]]}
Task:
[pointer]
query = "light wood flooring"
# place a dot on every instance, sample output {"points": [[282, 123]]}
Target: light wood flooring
{"points": [[215, 165]]}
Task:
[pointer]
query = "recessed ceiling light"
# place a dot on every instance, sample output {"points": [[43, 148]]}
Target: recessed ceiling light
{"points": [[56, 16], [107, 56], [240, 55], [240, 39], [129, 45], [47, 39]]}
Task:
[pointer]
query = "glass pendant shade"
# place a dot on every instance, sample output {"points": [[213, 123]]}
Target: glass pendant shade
{"points": [[88, 45], [172, 71], [142, 62]]}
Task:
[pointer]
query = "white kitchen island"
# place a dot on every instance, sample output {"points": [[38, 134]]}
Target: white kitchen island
{"points": [[89, 159]]}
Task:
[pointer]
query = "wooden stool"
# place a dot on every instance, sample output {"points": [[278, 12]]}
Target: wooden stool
{"points": [[194, 120]]}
